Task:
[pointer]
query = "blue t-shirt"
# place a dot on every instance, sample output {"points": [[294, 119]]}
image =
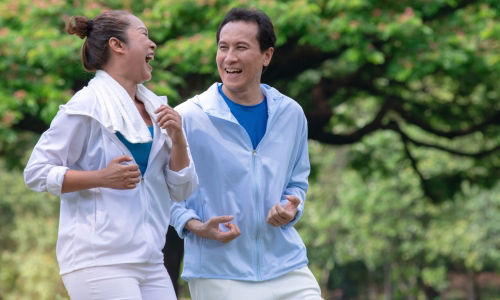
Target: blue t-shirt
{"points": [[252, 117], [140, 151]]}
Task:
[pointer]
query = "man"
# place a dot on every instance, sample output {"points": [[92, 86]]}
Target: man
{"points": [[249, 146]]}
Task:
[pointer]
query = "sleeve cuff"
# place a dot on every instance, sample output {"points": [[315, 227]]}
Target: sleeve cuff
{"points": [[181, 176], [55, 179], [181, 223]]}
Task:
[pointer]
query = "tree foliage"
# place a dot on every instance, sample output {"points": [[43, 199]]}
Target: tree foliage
{"points": [[376, 231], [427, 70]]}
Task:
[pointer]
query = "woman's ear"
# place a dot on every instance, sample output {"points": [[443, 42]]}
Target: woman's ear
{"points": [[115, 45]]}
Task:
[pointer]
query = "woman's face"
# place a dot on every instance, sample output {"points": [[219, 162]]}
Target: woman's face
{"points": [[139, 51]]}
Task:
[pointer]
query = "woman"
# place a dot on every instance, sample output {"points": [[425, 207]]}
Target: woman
{"points": [[116, 154]]}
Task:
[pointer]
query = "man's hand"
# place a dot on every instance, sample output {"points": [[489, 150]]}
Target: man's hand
{"points": [[280, 215], [210, 229], [120, 176]]}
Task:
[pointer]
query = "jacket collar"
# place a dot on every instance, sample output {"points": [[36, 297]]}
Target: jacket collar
{"points": [[212, 104]]}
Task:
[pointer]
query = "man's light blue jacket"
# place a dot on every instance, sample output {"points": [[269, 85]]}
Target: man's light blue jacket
{"points": [[235, 179]]}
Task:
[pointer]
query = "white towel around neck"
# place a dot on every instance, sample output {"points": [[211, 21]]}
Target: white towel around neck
{"points": [[118, 111]]}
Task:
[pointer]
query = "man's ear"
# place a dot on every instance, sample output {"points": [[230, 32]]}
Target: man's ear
{"points": [[115, 45], [268, 54]]}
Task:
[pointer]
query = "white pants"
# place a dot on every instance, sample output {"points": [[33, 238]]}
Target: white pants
{"points": [[124, 281], [296, 285]]}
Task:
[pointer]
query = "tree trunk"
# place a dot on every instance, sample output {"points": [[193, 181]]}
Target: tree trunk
{"points": [[372, 287], [388, 281], [473, 287]]}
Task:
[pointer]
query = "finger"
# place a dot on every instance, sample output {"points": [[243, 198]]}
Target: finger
{"points": [[228, 236], [272, 213], [237, 229], [162, 108], [269, 214], [168, 113], [273, 222], [279, 221], [170, 124], [136, 176], [131, 167], [164, 115], [282, 214], [294, 200], [233, 228], [221, 219], [270, 219], [279, 213], [123, 158], [134, 180], [130, 186]]}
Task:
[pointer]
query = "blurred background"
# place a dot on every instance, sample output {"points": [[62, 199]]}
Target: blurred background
{"points": [[402, 100]]}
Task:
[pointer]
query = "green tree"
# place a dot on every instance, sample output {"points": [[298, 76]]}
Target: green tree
{"points": [[426, 70], [367, 231], [28, 233]]}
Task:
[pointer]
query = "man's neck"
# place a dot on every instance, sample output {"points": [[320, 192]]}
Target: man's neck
{"points": [[246, 97]]}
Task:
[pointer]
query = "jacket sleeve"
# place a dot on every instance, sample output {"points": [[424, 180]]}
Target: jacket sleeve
{"points": [[181, 184], [57, 149], [180, 214], [298, 184]]}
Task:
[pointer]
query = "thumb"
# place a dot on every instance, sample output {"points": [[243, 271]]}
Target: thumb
{"points": [[293, 200]]}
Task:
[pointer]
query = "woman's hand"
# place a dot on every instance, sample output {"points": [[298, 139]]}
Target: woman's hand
{"points": [[167, 118], [115, 175], [120, 176]]}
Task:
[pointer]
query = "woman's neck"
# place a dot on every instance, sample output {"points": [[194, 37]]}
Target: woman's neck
{"points": [[129, 85]]}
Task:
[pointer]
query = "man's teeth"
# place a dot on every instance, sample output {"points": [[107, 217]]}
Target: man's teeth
{"points": [[149, 57], [233, 70]]}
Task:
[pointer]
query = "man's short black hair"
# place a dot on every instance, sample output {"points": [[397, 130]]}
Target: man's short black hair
{"points": [[265, 35]]}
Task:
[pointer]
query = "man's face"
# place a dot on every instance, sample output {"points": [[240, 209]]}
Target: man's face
{"points": [[239, 59]]}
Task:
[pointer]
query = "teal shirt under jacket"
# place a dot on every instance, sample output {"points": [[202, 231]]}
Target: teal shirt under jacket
{"points": [[235, 179]]}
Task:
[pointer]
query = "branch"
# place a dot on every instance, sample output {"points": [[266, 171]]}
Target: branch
{"points": [[446, 10], [291, 59], [395, 127], [414, 164], [493, 120], [319, 134]]}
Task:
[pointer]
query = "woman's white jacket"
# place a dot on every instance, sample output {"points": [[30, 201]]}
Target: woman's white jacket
{"points": [[104, 226]]}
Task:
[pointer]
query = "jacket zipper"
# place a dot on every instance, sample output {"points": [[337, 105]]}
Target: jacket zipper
{"points": [[259, 219]]}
